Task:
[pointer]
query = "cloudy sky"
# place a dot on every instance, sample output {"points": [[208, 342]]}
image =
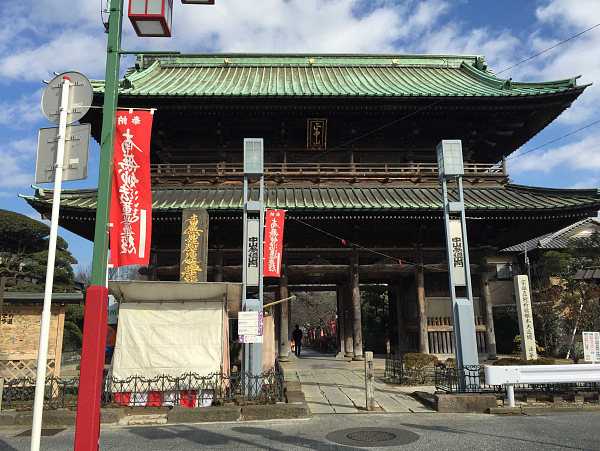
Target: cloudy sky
{"points": [[40, 37]]}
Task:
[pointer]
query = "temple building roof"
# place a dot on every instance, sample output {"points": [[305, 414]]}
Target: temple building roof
{"points": [[502, 200], [287, 75], [560, 239]]}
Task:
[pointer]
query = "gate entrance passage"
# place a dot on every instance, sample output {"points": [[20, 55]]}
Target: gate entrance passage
{"points": [[333, 385]]}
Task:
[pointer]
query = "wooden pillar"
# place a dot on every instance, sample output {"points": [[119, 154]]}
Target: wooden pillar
{"points": [[341, 339], [486, 300], [401, 317], [276, 317], [392, 332], [284, 335], [422, 303], [219, 266], [357, 314], [348, 321]]}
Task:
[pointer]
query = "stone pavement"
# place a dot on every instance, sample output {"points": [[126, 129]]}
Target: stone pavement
{"points": [[333, 385]]}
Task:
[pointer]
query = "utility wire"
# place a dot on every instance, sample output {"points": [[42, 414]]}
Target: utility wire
{"points": [[549, 48], [553, 141], [346, 242]]}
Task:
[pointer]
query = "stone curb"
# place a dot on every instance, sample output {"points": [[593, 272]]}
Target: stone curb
{"points": [[505, 411], [295, 397], [56, 418], [275, 412], [204, 414], [425, 398], [525, 410], [464, 403]]}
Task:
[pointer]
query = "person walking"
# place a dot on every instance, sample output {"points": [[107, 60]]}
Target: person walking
{"points": [[297, 337]]}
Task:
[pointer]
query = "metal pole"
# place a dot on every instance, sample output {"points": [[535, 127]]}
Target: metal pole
{"points": [[111, 96], [510, 394], [40, 372]]}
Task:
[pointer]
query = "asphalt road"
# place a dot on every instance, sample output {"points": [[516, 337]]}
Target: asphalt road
{"points": [[427, 431]]}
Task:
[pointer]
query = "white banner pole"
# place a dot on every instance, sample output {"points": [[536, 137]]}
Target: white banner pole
{"points": [[40, 372]]}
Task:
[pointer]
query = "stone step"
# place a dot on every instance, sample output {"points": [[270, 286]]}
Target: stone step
{"points": [[136, 420]]}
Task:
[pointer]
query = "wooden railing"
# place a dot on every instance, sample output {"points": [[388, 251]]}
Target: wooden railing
{"points": [[324, 169], [440, 332]]}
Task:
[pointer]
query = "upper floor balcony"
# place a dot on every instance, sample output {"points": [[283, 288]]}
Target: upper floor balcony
{"points": [[323, 172]]}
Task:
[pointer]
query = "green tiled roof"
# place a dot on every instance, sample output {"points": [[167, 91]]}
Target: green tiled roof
{"points": [[238, 75], [499, 199]]}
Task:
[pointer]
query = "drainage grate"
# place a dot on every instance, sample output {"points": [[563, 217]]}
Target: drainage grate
{"points": [[45, 432], [371, 436]]}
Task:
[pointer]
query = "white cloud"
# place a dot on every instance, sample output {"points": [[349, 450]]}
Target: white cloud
{"points": [[592, 181], [16, 166], [579, 155], [25, 110], [569, 13]]}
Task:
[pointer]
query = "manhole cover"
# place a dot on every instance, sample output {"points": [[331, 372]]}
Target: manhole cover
{"points": [[371, 436]]}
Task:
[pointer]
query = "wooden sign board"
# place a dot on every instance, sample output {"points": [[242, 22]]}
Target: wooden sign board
{"points": [[194, 245], [20, 336], [316, 134]]}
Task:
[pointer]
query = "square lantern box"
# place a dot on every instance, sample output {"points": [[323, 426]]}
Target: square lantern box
{"points": [[151, 17], [198, 2]]}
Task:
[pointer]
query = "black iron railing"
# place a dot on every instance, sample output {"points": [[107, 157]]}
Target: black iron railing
{"points": [[190, 390], [394, 367], [450, 380]]}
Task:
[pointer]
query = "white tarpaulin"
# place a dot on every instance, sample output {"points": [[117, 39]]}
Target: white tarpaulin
{"points": [[169, 338]]}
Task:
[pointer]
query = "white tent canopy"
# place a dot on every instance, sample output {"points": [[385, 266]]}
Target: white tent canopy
{"points": [[172, 327]]}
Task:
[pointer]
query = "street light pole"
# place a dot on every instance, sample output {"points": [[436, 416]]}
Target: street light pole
{"points": [[87, 431], [111, 97]]}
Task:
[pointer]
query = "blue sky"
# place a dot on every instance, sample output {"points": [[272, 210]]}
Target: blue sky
{"points": [[38, 37]]}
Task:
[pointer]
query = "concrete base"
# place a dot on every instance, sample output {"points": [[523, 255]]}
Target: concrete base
{"points": [[7, 418], [492, 357], [56, 418], [505, 411], [204, 414], [275, 412], [464, 403], [349, 354], [295, 397], [358, 358], [341, 356]]}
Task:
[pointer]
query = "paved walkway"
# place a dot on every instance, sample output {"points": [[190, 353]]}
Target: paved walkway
{"points": [[333, 385]]}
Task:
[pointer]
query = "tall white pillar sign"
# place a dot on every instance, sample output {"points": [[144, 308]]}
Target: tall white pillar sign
{"points": [[528, 347], [252, 261], [458, 253]]}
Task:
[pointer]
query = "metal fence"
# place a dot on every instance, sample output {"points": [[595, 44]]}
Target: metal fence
{"points": [[190, 390], [449, 380], [394, 367]]}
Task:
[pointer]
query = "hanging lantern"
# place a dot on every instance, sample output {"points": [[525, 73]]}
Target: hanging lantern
{"points": [[151, 17], [198, 2]]}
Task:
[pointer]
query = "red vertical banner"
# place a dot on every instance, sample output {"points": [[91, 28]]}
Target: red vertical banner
{"points": [[131, 201], [273, 247]]}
